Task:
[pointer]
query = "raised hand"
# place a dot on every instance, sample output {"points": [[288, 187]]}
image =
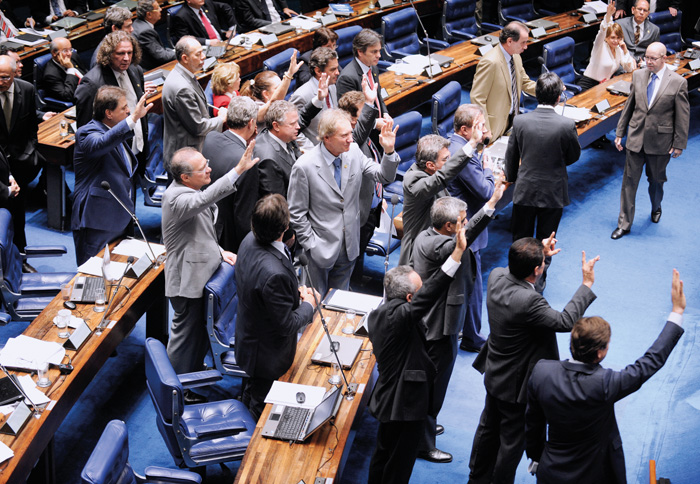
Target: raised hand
{"points": [[677, 294], [549, 246], [387, 136], [141, 109], [247, 160], [587, 269]]}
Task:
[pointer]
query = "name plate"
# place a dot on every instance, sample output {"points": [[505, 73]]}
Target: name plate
{"points": [[433, 70], [386, 3], [57, 34], [137, 270], [538, 32], [601, 107], [76, 340], [17, 419], [694, 65], [484, 49], [268, 39], [589, 18], [209, 63], [383, 93], [328, 19]]}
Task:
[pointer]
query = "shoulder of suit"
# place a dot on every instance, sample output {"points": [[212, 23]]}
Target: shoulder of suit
{"points": [[24, 84]]}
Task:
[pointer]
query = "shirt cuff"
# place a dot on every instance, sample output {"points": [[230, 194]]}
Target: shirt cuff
{"points": [[676, 318], [489, 211], [130, 122], [317, 102], [468, 150], [9, 192], [450, 266], [233, 176]]}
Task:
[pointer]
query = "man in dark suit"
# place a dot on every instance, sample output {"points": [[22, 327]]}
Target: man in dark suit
{"points": [[323, 37], [253, 14], [656, 117], [638, 30], [270, 314], [624, 7], [116, 18], [154, 54], [523, 331], [207, 21], [8, 186], [576, 400], [119, 54], [63, 72], [102, 154], [43, 12], [224, 150], [475, 185], [400, 399]]}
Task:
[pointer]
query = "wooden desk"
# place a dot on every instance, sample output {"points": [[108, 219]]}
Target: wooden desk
{"points": [[58, 151], [270, 461], [147, 295]]}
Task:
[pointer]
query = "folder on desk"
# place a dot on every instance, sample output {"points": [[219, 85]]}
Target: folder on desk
{"points": [[486, 39], [338, 300], [68, 23], [347, 349], [620, 87], [542, 23], [276, 28]]}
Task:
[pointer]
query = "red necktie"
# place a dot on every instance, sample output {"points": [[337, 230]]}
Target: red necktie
{"points": [[370, 79], [328, 101], [207, 25]]}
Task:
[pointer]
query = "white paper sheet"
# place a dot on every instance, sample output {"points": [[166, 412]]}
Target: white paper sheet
{"points": [[93, 267], [5, 452], [36, 396], [284, 393], [138, 248], [26, 353]]}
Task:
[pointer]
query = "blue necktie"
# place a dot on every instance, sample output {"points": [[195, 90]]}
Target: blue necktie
{"points": [[336, 174], [650, 88]]}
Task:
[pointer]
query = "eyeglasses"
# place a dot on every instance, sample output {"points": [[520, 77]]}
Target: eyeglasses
{"points": [[5, 78], [649, 58], [201, 171]]}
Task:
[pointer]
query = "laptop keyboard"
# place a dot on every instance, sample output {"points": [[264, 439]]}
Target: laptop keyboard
{"points": [[291, 423], [90, 288]]}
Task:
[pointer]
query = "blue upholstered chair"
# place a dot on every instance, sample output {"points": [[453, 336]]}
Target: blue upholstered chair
{"points": [[559, 58], [445, 103], [400, 37], [168, 24], [155, 179], [669, 30], [280, 63], [221, 299], [406, 142], [109, 463], [196, 435], [24, 296], [344, 43], [521, 10], [458, 21], [50, 102]]}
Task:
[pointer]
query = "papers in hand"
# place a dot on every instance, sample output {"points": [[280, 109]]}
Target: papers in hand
{"points": [[26, 353], [284, 393], [577, 114], [138, 248], [343, 300]]}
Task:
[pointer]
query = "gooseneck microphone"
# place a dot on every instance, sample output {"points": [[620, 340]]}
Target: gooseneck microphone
{"points": [[394, 201], [103, 321], [334, 345], [427, 41]]}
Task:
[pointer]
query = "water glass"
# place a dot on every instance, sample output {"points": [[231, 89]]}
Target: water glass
{"points": [[62, 320], [65, 291], [349, 327], [335, 375], [99, 301], [43, 372]]}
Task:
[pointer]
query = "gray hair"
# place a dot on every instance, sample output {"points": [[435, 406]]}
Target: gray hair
{"points": [[397, 283], [277, 112], [513, 30], [143, 8], [185, 46], [328, 123], [446, 209], [181, 162], [364, 40], [465, 115], [240, 111], [320, 58], [115, 17], [428, 148]]}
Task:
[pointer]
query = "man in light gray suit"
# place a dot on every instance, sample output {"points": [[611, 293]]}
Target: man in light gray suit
{"points": [[186, 116], [324, 60], [189, 215], [324, 200], [658, 115], [638, 30]]}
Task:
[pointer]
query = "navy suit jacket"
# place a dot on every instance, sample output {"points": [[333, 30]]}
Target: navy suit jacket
{"points": [[186, 22], [577, 401], [350, 79]]}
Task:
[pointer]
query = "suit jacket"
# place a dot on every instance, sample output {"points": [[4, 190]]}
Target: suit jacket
{"points": [[661, 5], [474, 185], [523, 328], [57, 83], [153, 53], [446, 317], [323, 215], [663, 125], [269, 313], [542, 145], [491, 88], [4, 179], [651, 34], [224, 151], [40, 9], [186, 120], [406, 373], [577, 402], [350, 79], [186, 22], [308, 137], [361, 135], [20, 139], [189, 236], [420, 190], [99, 156], [304, 73], [253, 14]]}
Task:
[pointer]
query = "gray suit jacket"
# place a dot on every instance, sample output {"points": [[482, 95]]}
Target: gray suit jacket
{"points": [[185, 113], [308, 137], [322, 215], [190, 237], [651, 34], [663, 125]]}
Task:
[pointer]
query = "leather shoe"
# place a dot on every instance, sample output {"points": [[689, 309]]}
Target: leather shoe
{"points": [[27, 268], [439, 429], [656, 216], [618, 232], [436, 455], [192, 398]]}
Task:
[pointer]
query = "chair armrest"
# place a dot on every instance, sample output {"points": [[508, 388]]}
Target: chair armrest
{"points": [[460, 34], [162, 179], [436, 44], [545, 13], [64, 104], [44, 250], [384, 65], [670, 51], [199, 378], [400, 54], [489, 27], [223, 429], [4, 318], [575, 88], [510, 18], [174, 476]]}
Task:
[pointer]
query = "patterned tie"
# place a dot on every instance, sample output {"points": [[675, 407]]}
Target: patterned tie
{"points": [[637, 34], [336, 174], [56, 8], [131, 100], [513, 87], [650, 88], [207, 25], [6, 26], [328, 101], [7, 108]]}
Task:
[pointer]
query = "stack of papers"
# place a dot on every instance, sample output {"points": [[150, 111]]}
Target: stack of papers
{"points": [[304, 23], [571, 112], [597, 7], [30, 354], [284, 393], [93, 267], [36, 396], [343, 300], [138, 248]]}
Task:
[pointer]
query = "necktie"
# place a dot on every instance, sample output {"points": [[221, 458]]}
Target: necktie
{"points": [[328, 101], [336, 174], [513, 87], [370, 80], [650, 88], [293, 149], [6, 26], [7, 108], [127, 159], [378, 186], [125, 83], [56, 8], [207, 25], [637, 34], [288, 253]]}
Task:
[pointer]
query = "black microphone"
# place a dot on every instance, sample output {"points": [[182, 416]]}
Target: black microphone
{"points": [[394, 201], [105, 185], [427, 41], [103, 321]]}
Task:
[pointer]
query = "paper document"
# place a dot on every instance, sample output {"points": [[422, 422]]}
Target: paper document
{"points": [[343, 300], [5, 452], [406, 69], [303, 23], [36, 396], [138, 248], [26, 353], [577, 114], [93, 267], [284, 393], [597, 7]]}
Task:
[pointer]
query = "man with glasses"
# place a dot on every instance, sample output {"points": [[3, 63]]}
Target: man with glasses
{"points": [[63, 72], [148, 13], [656, 117], [638, 30]]}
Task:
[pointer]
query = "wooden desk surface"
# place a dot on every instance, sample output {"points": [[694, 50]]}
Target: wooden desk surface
{"points": [[269, 461], [87, 361]]}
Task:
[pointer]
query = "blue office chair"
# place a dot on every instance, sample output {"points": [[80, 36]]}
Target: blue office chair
{"points": [[24, 296], [344, 43], [559, 58], [168, 25], [400, 37], [50, 103], [221, 299], [378, 243], [155, 179], [109, 463], [521, 10], [669, 30], [280, 63], [196, 435], [445, 103], [458, 22], [406, 142]]}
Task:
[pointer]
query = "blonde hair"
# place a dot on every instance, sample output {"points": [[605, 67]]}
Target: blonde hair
{"points": [[224, 75], [614, 29]]}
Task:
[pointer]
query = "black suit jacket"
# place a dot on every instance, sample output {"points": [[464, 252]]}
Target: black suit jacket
{"points": [[661, 5], [350, 79], [224, 151], [40, 9], [57, 83], [269, 312], [186, 22], [577, 402], [4, 179], [153, 53], [253, 14]]}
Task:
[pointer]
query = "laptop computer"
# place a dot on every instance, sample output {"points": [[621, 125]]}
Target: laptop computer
{"points": [[277, 28], [347, 349], [85, 289], [442, 60], [541, 22], [157, 77], [128, 4], [296, 424], [620, 87], [68, 23]]}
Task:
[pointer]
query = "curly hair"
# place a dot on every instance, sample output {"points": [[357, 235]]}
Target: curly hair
{"points": [[110, 44]]}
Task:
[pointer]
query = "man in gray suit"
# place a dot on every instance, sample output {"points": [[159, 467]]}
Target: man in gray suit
{"points": [[658, 115], [638, 30], [324, 197], [185, 113], [189, 214], [324, 60]]}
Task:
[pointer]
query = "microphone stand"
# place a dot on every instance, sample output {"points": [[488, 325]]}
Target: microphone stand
{"points": [[394, 201], [103, 321], [427, 41]]}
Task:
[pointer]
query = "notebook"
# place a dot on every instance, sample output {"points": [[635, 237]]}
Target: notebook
{"points": [[347, 349], [544, 23], [620, 87], [68, 23], [296, 424], [277, 28]]}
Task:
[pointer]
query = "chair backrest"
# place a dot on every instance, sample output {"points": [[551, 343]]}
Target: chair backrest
{"points": [[172, 11], [154, 163], [280, 63], [458, 15], [515, 10], [109, 461], [407, 137], [39, 66], [9, 254], [222, 302], [669, 29], [399, 32], [445, 103], [344, 43], [559, 57]]}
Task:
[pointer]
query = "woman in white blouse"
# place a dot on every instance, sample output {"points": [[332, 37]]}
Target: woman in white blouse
{"points": [[609, 53]]}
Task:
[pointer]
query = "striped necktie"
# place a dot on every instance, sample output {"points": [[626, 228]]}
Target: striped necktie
{"points": [[513, 87]]}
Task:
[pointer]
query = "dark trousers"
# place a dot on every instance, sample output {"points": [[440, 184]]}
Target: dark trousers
{"points": [[366, 233], [499, 442], [586, 83], [188, 343], [17, 208], [655, 168], [396, 452], [472, 318], [254, 392], [89, 242]]}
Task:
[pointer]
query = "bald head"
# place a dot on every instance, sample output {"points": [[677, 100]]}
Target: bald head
{"points": [[654, 57], [189, 53], [7, 72], [59, 44]]}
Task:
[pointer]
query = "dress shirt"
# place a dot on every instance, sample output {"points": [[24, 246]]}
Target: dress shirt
{"points": [[660, 76], [450, 266], [279, 245], [245, 143], [634, 29], [52, 14], [274, 14], [9, 99], [125, 83], [72, 70], [196, 12], [281, 143], [603, 63]]}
